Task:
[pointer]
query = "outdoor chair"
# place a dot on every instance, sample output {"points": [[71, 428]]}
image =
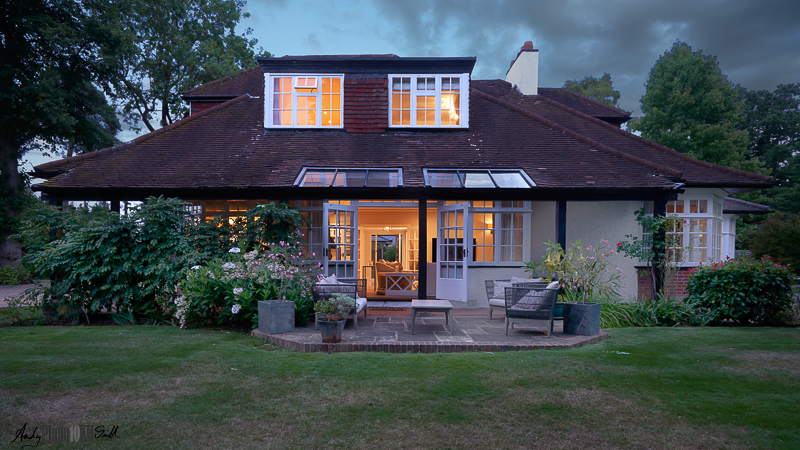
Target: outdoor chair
{"points": [[353, 287], [495, 292], [531, 306]]}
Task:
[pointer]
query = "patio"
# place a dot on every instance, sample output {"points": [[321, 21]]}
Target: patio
{"points": [[389, 330]]}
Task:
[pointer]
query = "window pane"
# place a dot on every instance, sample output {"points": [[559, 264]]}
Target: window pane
{"points": [[477, 180], [443, 179], [317, 178], [509, 180], [350, 178], [382, 178]]}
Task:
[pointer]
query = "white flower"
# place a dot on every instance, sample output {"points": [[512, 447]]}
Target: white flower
{"points": [[250, 255], [235, 309], [195, 267], [234, 250], [229, 266], [237, 291]]}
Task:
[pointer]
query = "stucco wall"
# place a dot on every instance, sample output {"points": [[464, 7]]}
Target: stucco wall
{"points": [[611, 221]]}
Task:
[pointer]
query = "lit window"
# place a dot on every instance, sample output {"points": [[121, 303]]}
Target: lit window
{"points": [[454, 178], [323, 177], [697, 237], [498, 231], [304, 101], [428, 100]]}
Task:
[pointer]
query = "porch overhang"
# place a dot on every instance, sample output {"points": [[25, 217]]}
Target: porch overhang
{"points": [[343, 193]]}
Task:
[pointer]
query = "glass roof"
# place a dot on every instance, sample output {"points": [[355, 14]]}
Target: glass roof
{"points": [[472, 178], [334, 177]]}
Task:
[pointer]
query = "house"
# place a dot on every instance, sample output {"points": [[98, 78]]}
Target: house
{"points": [[465, 179]]}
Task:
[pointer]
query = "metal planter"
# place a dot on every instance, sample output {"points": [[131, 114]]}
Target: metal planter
{"points": [[582, 318], [275, 316]]}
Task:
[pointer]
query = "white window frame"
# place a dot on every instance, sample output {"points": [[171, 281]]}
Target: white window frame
{"points": [[463, 99], [300, 178], [489, 172], [268, 99], [497, 211], [713, 214]]}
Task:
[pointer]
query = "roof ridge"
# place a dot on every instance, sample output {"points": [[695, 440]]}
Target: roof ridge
{"points": [[234, 76], [656, 145], [578, 136], [595, 101], [143, 138]]}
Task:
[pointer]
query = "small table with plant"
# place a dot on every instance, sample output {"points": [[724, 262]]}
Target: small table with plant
{"points": [[432, 306]]}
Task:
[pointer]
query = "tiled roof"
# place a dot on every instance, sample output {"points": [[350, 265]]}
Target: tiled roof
{"points": [[735, 206], [227, 147], [586, 105], [250, 81]]}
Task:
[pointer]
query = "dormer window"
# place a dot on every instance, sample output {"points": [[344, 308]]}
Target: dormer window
{"points": [[429, 101], [303, 101]]}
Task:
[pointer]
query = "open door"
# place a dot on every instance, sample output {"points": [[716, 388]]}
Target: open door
{"points": [[340, 225], [451, 261]]}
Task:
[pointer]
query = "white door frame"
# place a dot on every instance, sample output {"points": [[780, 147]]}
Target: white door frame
{"points": [[452, 225], [340, 228]]}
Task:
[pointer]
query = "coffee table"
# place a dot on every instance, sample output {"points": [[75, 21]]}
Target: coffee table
{"points": [[432, 306]]}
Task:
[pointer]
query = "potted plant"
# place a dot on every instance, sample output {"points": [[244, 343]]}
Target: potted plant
{"points": [[333, 314]]}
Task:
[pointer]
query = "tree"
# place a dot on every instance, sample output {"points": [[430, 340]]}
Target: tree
{"points": [[690, 106], [51, 64], [177, 45], [598, 89], [773, 121]]}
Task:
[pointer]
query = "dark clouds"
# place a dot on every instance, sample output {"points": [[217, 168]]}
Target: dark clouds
{"points": [[757, 43]]}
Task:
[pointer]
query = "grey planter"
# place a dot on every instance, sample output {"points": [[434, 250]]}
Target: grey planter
{"points": [[582, 318], [275, 316]]}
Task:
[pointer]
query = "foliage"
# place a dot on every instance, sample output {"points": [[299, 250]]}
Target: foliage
{"points": [[659, 247], [123, 264], [744, 290], [691, 107], [664, 311], [173, 46], [778, 237], [23, 309], [773, 121], [584, 272], [390, 254], [13, 275], [598, 89], [227, 290], [53, 61], [336, 308]]}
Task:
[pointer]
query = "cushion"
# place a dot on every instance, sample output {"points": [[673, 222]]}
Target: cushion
{"points": [[532, 300], [524, 280], [553, 285], [500, 289], [329, 280], [362, 302], [497, 302]]}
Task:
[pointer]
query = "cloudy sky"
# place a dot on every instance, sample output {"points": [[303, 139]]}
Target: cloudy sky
{"points": [[757, 43]]}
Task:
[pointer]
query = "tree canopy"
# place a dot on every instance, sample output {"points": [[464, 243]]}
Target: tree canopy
{"points": [[176, 45], [52, 58], [690, 106], [773, 121], [598, 89]]}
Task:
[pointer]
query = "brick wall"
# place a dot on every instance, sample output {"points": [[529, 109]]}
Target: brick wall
{"points": [[366, 105], [676, 287], [202, 106]]}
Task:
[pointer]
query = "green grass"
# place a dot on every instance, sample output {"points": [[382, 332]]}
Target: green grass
{"points": [[641, 388]]}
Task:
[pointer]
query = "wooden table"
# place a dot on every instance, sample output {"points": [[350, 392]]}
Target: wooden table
{"points": [[432, 306]]}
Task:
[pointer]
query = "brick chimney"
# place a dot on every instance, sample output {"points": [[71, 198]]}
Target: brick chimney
{"points": [[524, 71]]}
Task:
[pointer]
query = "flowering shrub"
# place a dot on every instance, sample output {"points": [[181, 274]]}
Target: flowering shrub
{"points": [[227, 290], [744, 290], [585, 273]]}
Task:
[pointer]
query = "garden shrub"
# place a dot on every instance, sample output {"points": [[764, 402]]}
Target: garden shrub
{"points": [[778, 237], [744, 290], [125, 264], [227, 290], [661, 312], [10, 275]]}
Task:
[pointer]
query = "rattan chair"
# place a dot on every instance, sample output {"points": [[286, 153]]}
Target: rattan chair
{"points": [[499, 303], [531, 306], [353, 287]]}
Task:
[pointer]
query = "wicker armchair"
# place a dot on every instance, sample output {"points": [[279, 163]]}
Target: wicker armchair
{"points": [[531, 306], [499, 303], [353, 287]]}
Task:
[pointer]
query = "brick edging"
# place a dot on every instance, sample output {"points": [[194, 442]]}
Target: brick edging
{"points": [[415, 347]]}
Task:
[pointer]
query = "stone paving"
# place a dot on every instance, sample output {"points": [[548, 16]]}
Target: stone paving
{"points": [[390, 331]]}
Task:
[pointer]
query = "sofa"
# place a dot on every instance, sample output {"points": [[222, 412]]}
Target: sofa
{"points": [[381, 268]]}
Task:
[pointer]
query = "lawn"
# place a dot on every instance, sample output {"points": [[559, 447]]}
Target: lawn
{"points": [[168, 388]]}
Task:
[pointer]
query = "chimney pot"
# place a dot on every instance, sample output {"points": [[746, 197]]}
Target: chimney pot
{"points": [[528, 46]]}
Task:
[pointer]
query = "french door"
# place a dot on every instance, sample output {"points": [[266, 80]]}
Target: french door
{"points": [[452, 248], [340, 225]]}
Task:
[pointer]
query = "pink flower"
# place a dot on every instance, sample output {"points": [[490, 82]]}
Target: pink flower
{"points": [[619, 245]]}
